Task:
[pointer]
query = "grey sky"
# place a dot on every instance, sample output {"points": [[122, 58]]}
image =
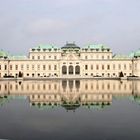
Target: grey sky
{"points": [[27, 23]]}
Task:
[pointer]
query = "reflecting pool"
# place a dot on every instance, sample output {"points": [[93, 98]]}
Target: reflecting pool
{"points": [[70, 109]]}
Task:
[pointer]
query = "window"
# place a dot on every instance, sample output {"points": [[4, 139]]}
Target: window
{"points": [[130, 66], [49, 87], [49, 67], [55, 57], [21, 67], [86, 67], [32, 67], [0, 67], [86, 87], [38, 67], [113, 66], [38, 57], [103, 67], [5, 67], [119, 66], [16, 67], [97, 67], [27, 67], [135, 66], [44, 57], [102, 57], [10, 67], [55, 86], [108, 67], [55, 67], [124, 66], [44, 67], [33, 57], [86, 57], [91, 67]]}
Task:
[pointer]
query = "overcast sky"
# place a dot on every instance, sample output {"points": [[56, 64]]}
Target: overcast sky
{"points": [[27, 23]]}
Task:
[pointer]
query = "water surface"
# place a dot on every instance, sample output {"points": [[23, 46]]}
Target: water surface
{"points": [[70, 109]]}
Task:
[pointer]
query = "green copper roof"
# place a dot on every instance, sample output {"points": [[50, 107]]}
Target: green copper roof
{"points": [[3, 54], [46, 47], [137, 53], [132, 54], [120, 56], [18, 57], [98, 46]]}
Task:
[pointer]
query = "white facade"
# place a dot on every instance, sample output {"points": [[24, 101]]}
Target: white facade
{"points": [[70, 61]]}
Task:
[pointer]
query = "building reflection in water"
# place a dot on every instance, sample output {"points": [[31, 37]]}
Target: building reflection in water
{"points": [[69, 93]]}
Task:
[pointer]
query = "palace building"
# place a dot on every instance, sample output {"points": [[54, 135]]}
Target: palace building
{"points": [[70, 61]]}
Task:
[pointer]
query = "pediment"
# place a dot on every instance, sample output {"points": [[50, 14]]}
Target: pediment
{"points": [[71, 57]]}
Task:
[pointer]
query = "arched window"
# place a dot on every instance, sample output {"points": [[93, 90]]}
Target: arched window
{"points": [[70, 69], [77, 69], [64, 70]]}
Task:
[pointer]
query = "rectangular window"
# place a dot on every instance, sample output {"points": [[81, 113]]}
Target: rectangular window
{"points": [[44, 57], [97, 67], [91, 67], [55, 67], [119, 66], [135, 66], [108, 67], [124, 66], [5, 67], [44, 67], [33, 57], [130, 66], [86, 67], [38, 67], [49, 67], [33, 67], [102, 67], [22, 67], [16, 67], [27, 67], [113, 66], [0, 67], [10, 67], [55, 57]]}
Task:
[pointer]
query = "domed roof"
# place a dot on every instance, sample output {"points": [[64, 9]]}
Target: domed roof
{"points": [[70, 46]]}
